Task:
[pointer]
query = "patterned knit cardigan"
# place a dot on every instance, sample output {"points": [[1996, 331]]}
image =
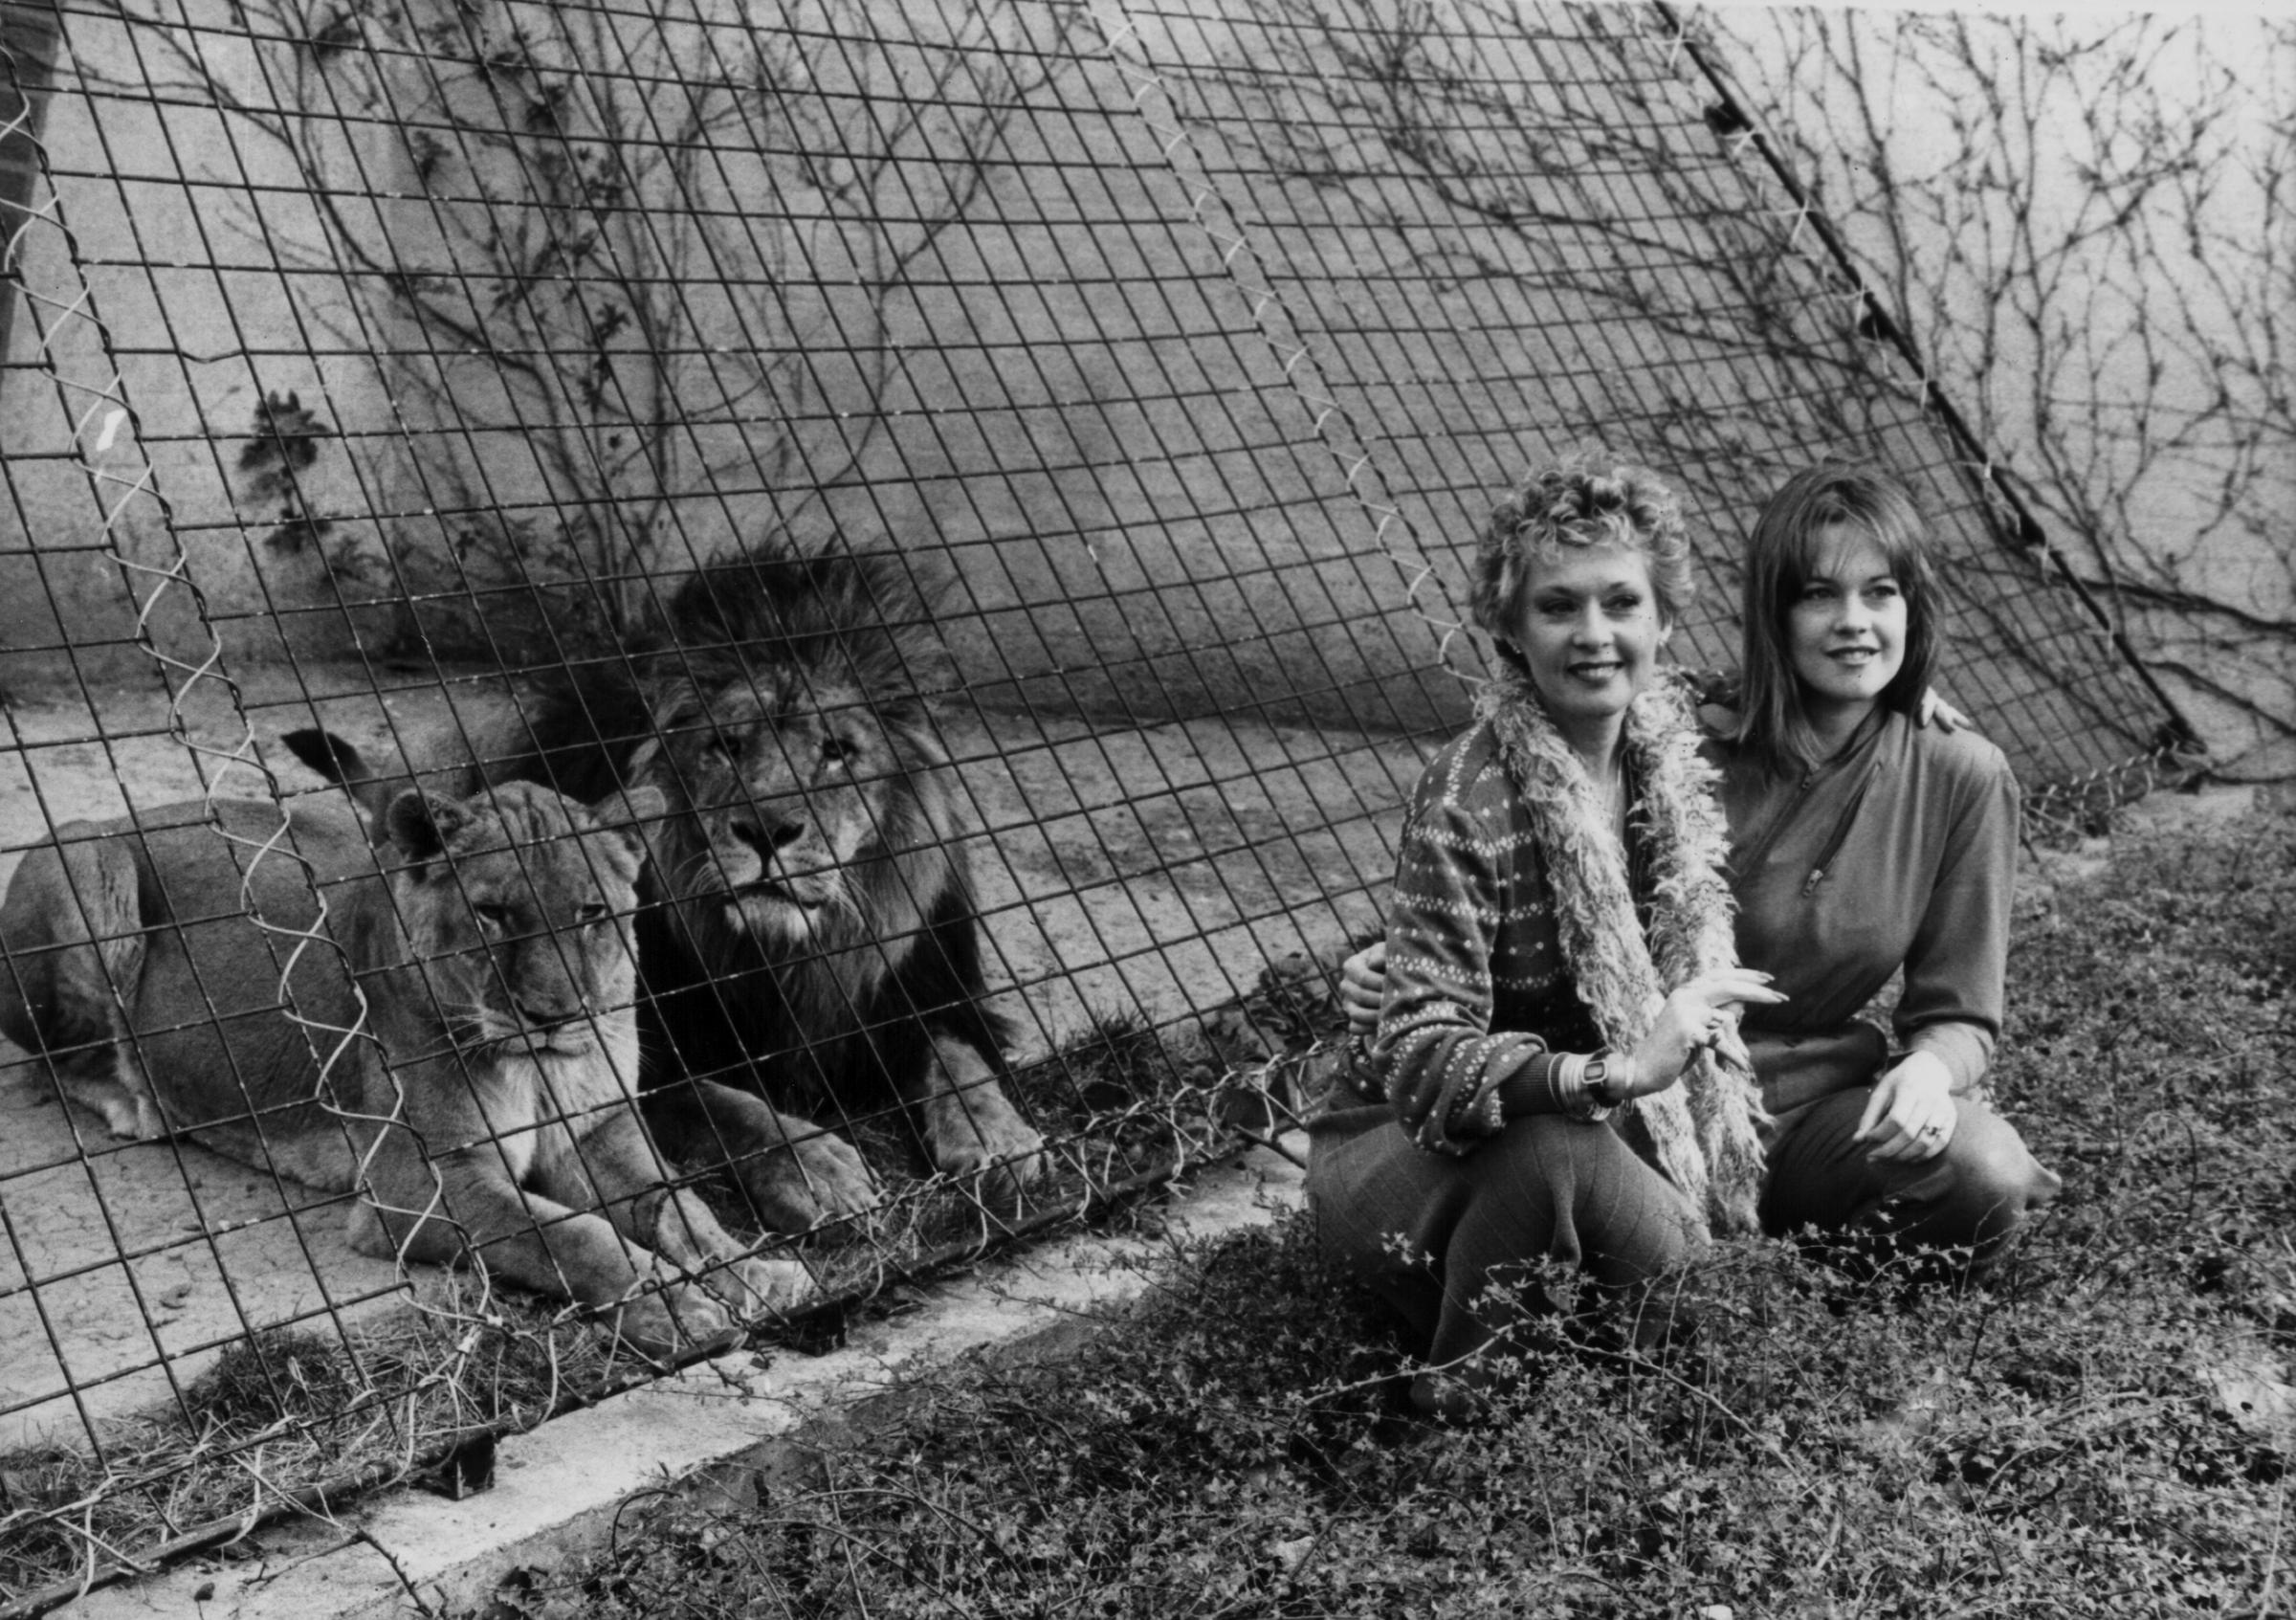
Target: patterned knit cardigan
{"points": [[1513, 920]]}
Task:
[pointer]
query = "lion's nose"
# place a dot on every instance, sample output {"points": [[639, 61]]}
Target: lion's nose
{"points": [[550, 1015], [766, 834]]}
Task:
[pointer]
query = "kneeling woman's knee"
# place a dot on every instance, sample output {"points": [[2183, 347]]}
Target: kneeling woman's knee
{"points": [[1588, 1197], [1996, 1181]]}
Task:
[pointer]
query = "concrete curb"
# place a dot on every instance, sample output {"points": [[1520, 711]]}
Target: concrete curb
{"points": [[560, 1489]]}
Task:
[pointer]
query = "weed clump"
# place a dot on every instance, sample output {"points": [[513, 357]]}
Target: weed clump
{"points": [[281, 1376]]}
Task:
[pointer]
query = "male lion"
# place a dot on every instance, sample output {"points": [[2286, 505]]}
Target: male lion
{"points": [[496, 964], [810, 932]]}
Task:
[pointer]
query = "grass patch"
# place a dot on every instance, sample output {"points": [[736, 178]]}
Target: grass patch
{"points": [[2105, 1431]]}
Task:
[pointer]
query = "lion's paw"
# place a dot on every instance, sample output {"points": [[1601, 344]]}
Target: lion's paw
{"points": [[814, 1179], [138, 1120], [660, 1325]]}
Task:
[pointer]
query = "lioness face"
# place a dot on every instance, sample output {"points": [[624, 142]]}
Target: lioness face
{"points": [[521, 909], [775, 791]]}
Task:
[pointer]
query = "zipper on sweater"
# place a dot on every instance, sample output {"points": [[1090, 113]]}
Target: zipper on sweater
{"points": [[1840, 836], [1747, 857]]}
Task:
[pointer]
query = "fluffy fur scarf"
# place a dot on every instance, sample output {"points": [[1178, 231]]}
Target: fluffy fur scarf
{"points": [[1703, 1131]]}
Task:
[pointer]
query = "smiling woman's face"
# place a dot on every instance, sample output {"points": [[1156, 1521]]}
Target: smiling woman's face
{"points": [[1846, 630], [1589, 630]]}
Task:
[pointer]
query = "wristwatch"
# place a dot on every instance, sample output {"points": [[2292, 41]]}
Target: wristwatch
{"points": [[1606, 1080]]}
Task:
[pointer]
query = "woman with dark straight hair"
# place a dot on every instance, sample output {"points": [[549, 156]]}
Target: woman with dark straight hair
{"points": [[1859, 844], [1774, 721]]}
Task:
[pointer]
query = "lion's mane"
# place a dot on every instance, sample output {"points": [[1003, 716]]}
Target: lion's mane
{"points": [[833, 1011]]}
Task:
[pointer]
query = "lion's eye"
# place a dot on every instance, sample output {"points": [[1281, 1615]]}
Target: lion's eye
{"points": [[591, 915], [720, 746], [492, 915], [836, 750]]}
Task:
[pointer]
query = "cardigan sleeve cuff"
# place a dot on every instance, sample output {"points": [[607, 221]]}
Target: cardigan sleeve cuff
{"points": [[1536, 1088], [1964, 1049]]}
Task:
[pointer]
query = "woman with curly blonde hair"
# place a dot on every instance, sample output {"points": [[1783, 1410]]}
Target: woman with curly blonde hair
{"points": [[1554, 1075], [1861, 844]]}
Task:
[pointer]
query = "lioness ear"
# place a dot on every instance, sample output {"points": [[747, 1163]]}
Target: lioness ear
{"points": [[421, 823], [628, 813]]}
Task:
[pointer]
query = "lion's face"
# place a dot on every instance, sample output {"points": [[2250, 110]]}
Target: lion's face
{"points": [[517, 902], [786, 792]]}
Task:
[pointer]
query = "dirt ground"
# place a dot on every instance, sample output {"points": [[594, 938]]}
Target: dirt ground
{"points": [[1152, 869]]}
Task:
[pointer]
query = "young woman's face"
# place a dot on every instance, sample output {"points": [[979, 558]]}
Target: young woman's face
{"points": [[1848, 628], [1590, 631]]}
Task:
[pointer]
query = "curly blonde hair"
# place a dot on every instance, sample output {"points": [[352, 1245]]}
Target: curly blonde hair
{"points": [[1590, 499]]}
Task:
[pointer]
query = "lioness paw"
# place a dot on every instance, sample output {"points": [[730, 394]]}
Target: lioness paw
{"points": [[814, 1180], [660, 1325], [756, 1288]]}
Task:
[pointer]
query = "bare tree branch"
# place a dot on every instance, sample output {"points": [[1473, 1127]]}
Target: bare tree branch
{"points": [[2066, 217]]}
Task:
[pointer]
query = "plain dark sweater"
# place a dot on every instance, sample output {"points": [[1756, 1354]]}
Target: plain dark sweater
{"points": [[1901, 850]]}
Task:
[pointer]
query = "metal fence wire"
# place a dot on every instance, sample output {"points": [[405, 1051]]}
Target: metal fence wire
{"points": [[405, 371]]}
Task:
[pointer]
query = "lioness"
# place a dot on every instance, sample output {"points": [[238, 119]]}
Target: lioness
{"points": [[496, 964], [810, 931]]}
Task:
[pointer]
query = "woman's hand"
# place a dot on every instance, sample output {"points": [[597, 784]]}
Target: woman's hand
{"points": [[1703, 1012], [1933, 710], [1911, 1116], [1362, 981]]}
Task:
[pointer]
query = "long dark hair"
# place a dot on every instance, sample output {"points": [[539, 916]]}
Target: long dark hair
{"points": [[1773, 724]]}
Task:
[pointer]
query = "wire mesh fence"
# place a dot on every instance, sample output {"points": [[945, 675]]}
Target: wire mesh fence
{"points": [[949, 511]]}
